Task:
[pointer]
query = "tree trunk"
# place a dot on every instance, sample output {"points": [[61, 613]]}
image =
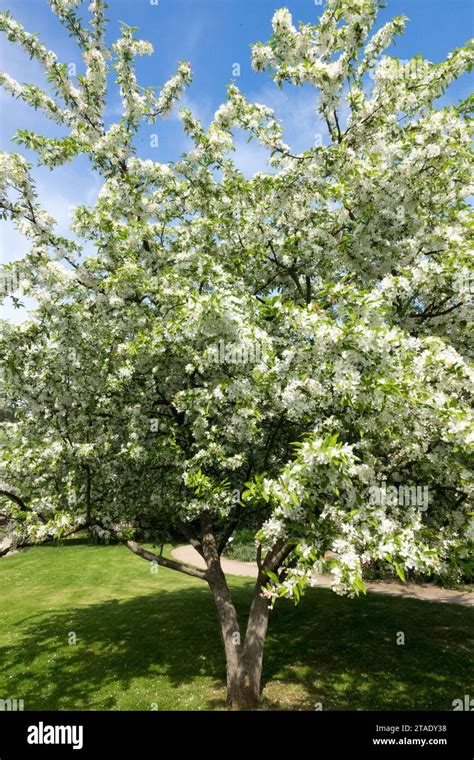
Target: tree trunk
{"points": [[243, 660]]}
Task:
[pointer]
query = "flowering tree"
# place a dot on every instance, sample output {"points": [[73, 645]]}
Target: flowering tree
{"points": [[292, 346]]}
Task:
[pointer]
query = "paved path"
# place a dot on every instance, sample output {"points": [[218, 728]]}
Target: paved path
{"points": [[426, 591], [5, 546], [190, 556]]}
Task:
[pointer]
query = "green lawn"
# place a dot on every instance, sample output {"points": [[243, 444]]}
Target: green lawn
{"points": [[148, 641]]}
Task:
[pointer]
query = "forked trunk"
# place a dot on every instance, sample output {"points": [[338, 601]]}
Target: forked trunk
{"points": [[244, 660]]}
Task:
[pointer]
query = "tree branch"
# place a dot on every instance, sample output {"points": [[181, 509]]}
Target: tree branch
{"points": [[15, 498], [171, 564]]}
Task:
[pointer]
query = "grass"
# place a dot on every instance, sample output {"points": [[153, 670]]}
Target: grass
{"points": [[242, 546], [148, 641]]}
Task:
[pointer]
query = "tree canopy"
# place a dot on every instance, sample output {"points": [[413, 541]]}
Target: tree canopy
{"points": [[291, 348]]}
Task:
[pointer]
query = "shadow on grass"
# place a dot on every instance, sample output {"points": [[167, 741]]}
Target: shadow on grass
{"points": [[172, 634], [342, 653], [347, 654], [82, 538]]}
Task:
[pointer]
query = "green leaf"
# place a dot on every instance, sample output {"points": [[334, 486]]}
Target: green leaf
{"points": [[359, 584], [400, 572], [273, 576]]}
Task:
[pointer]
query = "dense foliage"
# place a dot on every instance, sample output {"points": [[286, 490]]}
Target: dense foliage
{"points": [[295, 344]]}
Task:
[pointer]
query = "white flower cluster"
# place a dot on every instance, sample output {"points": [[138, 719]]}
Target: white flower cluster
{"points": [[170, 93], [134, 103], [37, 50], [64, 6]]}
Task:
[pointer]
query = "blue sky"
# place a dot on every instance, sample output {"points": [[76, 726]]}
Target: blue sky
{"points": [[213, 35]]}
